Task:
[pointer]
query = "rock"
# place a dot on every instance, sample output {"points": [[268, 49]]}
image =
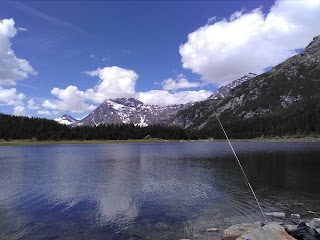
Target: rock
{"points": [[272, 231], [315, 223], [276, 214], [295, 215], [161, 226], [290, 227], [295, 218], [134, 238], [212, 230], [235, 231]]}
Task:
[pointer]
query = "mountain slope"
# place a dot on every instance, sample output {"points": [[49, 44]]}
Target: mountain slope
{"points": [[290, 83], [224, 91], [130, 110]]}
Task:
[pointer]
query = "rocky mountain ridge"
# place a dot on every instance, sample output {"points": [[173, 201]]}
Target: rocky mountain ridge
{"points": [[130, 110], [224, 91]]}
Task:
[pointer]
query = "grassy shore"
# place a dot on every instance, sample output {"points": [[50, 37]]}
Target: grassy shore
{"points": [[28, 142]]}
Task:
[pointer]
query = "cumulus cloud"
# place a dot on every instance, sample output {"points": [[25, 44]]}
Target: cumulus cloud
{"points": [[114, 82], [32, 105], [69, 99], [12, 68], [163, 98], [11, 97], [250, 42], [19, 111], [181, 82], [47, 112]]}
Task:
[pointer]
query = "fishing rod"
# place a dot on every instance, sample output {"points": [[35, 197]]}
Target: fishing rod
{"points": [[241, 168]]}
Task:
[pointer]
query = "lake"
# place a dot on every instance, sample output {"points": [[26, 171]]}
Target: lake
{"points": [[150, 190]]}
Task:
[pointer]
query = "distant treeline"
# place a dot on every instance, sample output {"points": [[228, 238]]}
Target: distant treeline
{"points": [[17, 127], [300, 120]]}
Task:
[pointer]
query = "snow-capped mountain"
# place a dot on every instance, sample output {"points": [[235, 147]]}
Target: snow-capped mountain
{"points": [[66, 119], [130, 110], [224, 91]]}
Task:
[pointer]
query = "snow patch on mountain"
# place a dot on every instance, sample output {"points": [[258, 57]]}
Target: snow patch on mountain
{"points": [[66, 120], [130, 110]]}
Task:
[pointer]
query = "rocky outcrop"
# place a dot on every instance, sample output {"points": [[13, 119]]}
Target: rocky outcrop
{"points": [[272, 230]]}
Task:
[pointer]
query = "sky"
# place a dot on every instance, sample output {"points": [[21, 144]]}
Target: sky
{"points": [[60, 57]]}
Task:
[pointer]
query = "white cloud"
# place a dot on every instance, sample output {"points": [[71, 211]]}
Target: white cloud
{"points": [[11, 68], [114, 82], [22, 29], [180, 82], [11, 97], [250, 42], [69, 99], [32, 105], [47, 112], [92, 56], [19, 111], [212, 20], [163, 98]]}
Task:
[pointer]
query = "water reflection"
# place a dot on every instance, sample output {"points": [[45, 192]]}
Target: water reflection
{"points": [[151, 191]]}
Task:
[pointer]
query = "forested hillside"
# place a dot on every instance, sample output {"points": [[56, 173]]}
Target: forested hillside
{"points": [[300, 120], [14, 127]]}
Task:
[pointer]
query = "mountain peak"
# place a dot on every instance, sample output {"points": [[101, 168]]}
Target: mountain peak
{"points": [[225, 90], [66, 119], [130, 110], [129, 102]]}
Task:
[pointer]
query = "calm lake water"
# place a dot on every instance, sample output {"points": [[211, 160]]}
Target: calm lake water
{"points": [[151, 190]]}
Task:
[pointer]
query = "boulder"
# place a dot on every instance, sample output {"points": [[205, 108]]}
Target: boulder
{"points": [[254, 231], [272, 231], [235, 231]]}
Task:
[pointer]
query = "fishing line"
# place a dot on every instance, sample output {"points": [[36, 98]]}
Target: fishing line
{"points": [[241, 168]]}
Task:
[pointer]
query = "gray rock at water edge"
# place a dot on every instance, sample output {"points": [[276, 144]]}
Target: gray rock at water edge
{"points": [[315, 223], [296, 218], [235, 231], [270, 231], [276, 214], [212, 230], [295, 215]]}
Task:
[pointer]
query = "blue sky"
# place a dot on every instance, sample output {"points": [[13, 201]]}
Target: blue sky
{"points": [[68, 56]]}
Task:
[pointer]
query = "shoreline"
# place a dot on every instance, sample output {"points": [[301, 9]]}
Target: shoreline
{"points": [[34, 142]]}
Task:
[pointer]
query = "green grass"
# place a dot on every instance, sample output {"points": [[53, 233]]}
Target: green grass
{"points": [[31, 142]]}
